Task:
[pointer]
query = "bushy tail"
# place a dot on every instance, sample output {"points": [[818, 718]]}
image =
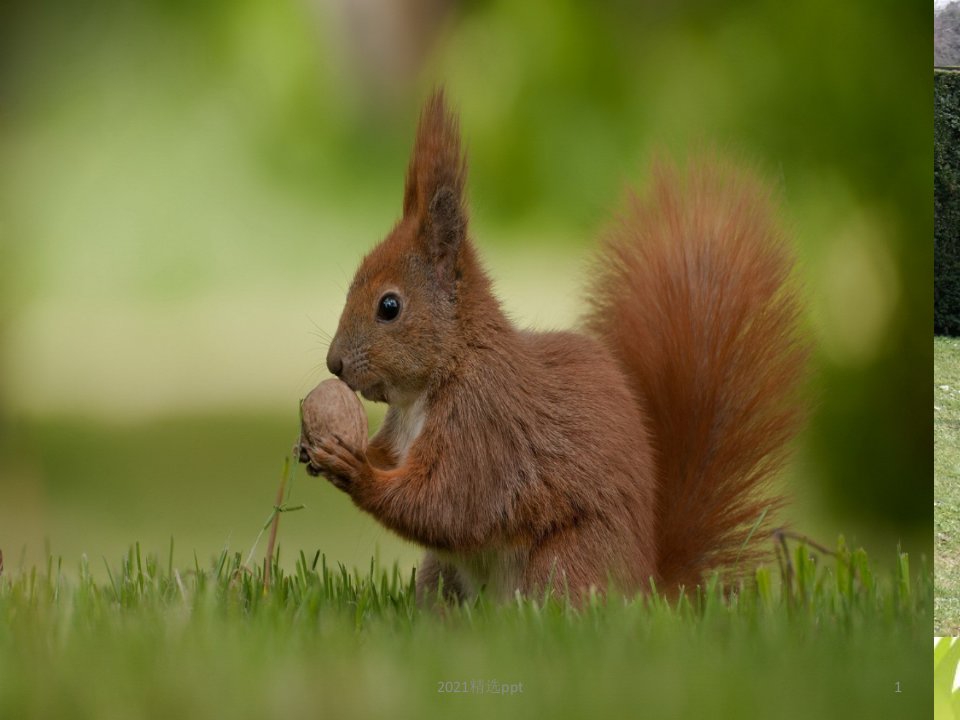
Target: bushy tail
{"points": [[695, 295]]}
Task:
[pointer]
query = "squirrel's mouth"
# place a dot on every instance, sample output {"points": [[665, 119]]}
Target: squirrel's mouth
{"points": [[367, 384], [374, 393]]}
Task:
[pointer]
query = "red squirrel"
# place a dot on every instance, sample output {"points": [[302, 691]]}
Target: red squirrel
{"points": [[637, 448]]}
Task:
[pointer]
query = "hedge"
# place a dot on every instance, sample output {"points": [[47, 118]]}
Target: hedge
{"points": [[946, 202]]}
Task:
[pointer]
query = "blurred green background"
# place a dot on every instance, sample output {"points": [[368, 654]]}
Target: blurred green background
{"points": [[185, 189]]}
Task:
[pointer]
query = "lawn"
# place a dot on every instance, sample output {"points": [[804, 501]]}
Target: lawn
{"points": [[210, 640], [946, 480]]}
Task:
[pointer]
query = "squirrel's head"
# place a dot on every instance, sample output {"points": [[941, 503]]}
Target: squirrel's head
{"points": [[401, 324]]}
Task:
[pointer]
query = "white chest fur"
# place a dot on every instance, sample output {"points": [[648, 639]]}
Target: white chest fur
{"points": [[408, 423]]}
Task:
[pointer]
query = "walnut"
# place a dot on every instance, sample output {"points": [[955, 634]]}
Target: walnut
{"points": [[332, 408]]}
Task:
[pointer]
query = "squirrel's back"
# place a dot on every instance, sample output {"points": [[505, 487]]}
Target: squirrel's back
{"points": [[694, 295]]}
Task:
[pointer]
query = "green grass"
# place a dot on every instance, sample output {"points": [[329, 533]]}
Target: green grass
{"points": [[946, 481], [946, 700], [155, 640]]}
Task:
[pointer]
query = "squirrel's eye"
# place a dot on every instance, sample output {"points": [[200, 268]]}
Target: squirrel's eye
{"points": [[388, 308]]}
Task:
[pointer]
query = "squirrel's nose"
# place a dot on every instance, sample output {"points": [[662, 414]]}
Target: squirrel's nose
{"points": [[334, 364]]}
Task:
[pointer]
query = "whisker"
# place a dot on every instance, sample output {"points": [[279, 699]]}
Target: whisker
{"points": [[324, 342], [318, 330]]}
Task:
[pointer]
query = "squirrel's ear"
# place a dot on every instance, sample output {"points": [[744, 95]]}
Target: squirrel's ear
{"points": [[433, 195], [444, 232], [437, 163]]}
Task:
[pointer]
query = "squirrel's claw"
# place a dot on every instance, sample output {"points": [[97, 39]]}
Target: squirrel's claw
{"points": [[300, 452], [340, 464], [358, 455]]}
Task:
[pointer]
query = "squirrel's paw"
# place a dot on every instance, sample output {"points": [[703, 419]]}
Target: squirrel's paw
{"points": [[336, 461]]}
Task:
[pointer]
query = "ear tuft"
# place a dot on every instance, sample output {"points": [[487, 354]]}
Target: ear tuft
{"points": [[437, 162], [444, 232], [445, 222]]}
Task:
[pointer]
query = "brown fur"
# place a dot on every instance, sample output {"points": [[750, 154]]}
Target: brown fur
{"points": [[635, 450], [694, 297]]}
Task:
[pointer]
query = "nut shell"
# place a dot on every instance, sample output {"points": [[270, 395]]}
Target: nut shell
{"points": [[333, 408]]}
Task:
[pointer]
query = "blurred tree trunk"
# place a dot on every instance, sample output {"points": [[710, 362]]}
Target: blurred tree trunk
{"points": [[384, 43]]}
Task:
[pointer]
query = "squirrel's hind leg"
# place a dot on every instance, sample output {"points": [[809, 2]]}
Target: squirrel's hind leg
{"points": [[578, 558], [429, 575]]}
